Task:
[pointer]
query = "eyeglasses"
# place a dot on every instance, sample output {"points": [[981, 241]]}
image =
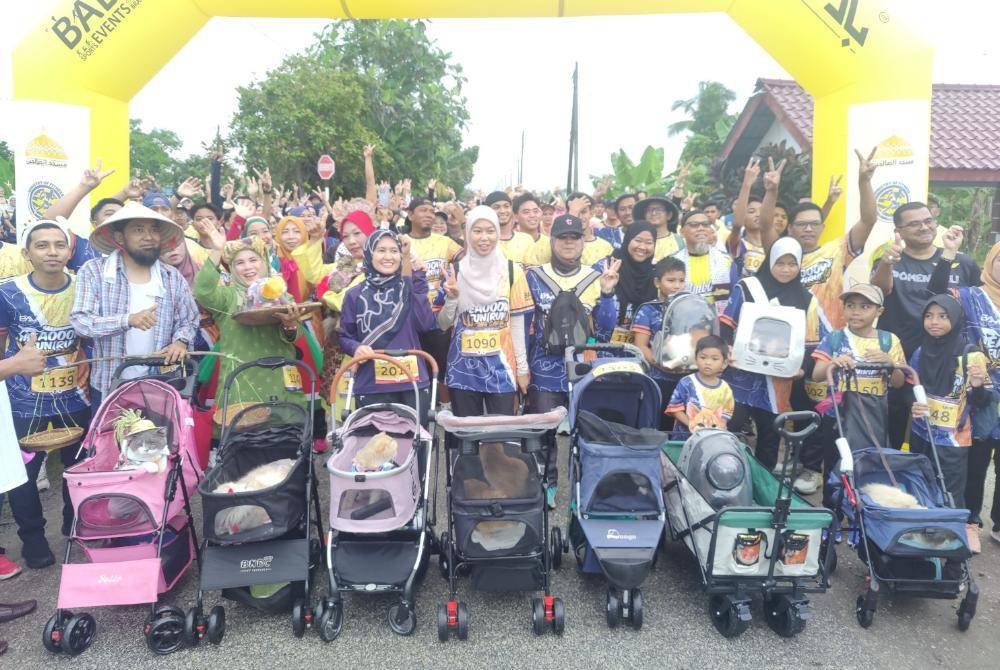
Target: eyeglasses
{"points": [[699, 224], [925, 223], [802, 225]]}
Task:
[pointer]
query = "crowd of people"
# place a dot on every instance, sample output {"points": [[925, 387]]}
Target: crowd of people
{"points": [[475, 283]]}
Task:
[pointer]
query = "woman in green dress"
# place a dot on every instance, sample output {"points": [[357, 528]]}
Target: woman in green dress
{"points": [[247, 260]]}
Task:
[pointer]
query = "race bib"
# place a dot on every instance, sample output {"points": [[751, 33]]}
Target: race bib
{"points": [[54, 381], [388, 372], [944, 413], [815, 390], [869, 385], [622, 336], [480, 342], [292, 378]]}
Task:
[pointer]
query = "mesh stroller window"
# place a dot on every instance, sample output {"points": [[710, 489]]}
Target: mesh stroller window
{"points": [[623, 492], [359, 505], [770, 337], [500, 536], [113, 515], [499, 471], [240, 519]]}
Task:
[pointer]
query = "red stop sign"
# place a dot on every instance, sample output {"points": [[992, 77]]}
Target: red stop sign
{"points": [[325, 166]]}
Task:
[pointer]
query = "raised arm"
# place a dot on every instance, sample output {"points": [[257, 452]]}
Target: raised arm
{"points": [[882, 277], [371, 190], [772, 181], [750, 174], [869, 214], [832, 195], [64, 206], [952, 241]]}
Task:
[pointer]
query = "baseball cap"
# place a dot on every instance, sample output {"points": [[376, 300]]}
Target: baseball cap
{"points": [[157, 200], [867, 291], [567, 224], [496, 196], [416, 202], [59, 223]]}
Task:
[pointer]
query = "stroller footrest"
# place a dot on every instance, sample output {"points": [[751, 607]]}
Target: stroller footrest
{"points": [[109, 583], [269, 562]]}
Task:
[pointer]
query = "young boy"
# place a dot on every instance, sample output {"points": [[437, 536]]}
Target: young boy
{"points": [[704, 398], [669, 274], [863, 409]]}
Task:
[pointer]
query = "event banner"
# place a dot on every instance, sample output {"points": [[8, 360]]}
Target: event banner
{"points": [[899, 131], [51, 150]]}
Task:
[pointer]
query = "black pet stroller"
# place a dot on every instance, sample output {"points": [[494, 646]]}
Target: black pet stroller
{"points": [[380, 521], [922, 552], [498, 523], [617, 510], [260, 536]]}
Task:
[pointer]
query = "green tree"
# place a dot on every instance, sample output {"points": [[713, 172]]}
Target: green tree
{"points": [[6, 167], [153, 152], [708, 123], [362, 82], [969, 207]]}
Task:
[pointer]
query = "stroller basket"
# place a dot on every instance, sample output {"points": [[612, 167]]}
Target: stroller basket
{"points": [[377, 501]]}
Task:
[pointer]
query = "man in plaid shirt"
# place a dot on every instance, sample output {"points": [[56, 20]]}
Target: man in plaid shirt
{"points": [[129, 303]]}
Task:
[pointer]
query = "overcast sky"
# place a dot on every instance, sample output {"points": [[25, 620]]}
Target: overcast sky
{"points": [[628, 77]]}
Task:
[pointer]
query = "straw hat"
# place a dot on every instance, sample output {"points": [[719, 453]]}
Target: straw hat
{"points": [[102, 240]]}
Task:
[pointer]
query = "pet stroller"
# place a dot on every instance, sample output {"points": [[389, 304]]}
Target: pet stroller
{"points": [[380, 521], [747, 530], [920, 552], [258, 546], [497, 518], [132, 520], [617, 512]]}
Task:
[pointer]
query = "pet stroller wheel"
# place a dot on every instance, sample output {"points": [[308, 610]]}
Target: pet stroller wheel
{"points": [[192, 621], [216, 624], [635, 610], [964, 620], [298, 618], [167, 609], [865, 615], [165, 635], [442, 622], [538, 622], [558, 616], [613, 606], [555, 547], [463, 622], [331, 620], [783, 616], [730, 617], [408, 623], [78, 634], [54, 629]]}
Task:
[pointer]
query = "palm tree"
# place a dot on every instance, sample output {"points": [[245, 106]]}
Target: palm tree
{"points": [[704, 110]]}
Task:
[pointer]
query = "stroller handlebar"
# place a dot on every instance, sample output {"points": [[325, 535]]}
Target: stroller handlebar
{"points": [[808, 415], [630, 350], [910, 373]]}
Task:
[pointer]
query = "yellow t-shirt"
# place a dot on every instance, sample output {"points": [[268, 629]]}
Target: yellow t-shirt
{"points": [[517, 247], [667, 246], [593, 251], [435, 251], [13, 262], [823, 274]]}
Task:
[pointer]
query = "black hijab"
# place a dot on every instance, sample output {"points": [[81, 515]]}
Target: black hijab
{"points": [[789, 294], [939, 355], [635, 279]]}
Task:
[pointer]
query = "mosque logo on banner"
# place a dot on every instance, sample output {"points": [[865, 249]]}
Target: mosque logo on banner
{"points": [[48, 161], [894, 158]]}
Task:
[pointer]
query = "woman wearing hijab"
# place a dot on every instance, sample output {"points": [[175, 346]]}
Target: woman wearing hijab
{"points": [[247, 260], [635, 285], [486, 300], [981, 305], [257, 226], [953, 377], [762, 397], [387, 310]]}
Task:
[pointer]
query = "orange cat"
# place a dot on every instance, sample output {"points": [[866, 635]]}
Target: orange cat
{"points": [[700, 418], [506, 477]]}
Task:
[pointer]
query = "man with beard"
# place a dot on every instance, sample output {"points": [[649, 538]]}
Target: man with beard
{"points": [[129, 303], [708, 268], [513, 243]]}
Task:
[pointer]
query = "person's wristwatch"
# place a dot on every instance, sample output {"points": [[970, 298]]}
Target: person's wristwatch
{"points": [[183, 341]]}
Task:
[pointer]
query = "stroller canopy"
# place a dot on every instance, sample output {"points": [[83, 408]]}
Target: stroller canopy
{"points": [[616, 390]]}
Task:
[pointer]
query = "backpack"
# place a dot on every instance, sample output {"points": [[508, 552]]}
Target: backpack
{"points": [[567, 323], [884, 340]]}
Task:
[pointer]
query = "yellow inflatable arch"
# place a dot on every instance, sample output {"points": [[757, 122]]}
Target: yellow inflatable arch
{"points": [[100, 53]]}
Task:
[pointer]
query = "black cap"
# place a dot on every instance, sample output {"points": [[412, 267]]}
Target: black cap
{"points": [[567, 224], [496, 196], [416, 202]]}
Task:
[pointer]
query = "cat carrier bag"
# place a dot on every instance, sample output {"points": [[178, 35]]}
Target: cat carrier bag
{"points": [[567, 323], [686, 319], [770, 339], [716, 465]]}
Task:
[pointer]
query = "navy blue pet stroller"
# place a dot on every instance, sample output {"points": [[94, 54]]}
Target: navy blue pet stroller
{"points": [[921, 552], [617, 510]]}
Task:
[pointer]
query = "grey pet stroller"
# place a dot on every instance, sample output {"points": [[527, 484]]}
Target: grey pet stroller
{"points": [[380, 521], [498, 523], [617, 512], [259, 537], [922, 552]]}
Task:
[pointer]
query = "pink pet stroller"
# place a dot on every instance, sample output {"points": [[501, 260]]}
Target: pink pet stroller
{"points": [[132, 518]]}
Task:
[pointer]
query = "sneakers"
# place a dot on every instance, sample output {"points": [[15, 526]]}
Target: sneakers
{"points": [[43, 480], [550, 496], [972, 533], [995, 534], [8, 568], [806, 483]]}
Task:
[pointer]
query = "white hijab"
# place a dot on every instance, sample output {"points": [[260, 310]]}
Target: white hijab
{"points": [[478, 275]]}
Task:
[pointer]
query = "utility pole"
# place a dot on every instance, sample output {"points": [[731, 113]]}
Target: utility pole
{"points": [[573, 172], [520, 163]]}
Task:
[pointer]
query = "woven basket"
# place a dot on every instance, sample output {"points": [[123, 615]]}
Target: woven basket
{"points": [[264, 316], [51, 439], [252, 418]]}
